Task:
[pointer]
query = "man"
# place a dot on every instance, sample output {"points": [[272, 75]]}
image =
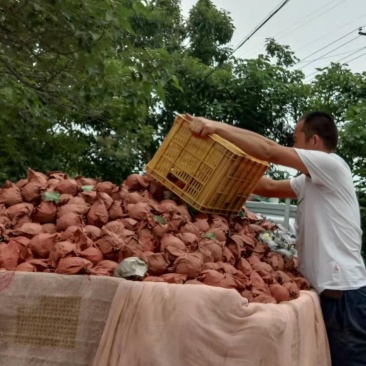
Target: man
{"points": [[328, 222]]}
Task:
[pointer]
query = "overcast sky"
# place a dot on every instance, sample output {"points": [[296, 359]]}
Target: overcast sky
{"points": [[305, 25]]}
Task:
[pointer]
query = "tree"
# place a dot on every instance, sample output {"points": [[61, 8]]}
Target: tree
{"points": [[209, 31], [75, 90], [91, 88]]}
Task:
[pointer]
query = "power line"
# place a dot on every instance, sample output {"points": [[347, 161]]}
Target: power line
{"points": [[346, 62], [253, 51], [337, 48], [328, 33], [322, 57], [256, 29], [355, 58], [353, 53], [323, 48], [338, 54], [313, 73], [290, 28]]}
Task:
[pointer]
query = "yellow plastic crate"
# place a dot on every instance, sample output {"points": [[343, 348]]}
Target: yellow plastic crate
{"points": [[212, 175]]}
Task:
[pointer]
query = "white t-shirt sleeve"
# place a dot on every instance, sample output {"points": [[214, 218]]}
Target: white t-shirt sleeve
{"points": [[297, 184], [324, 169]]}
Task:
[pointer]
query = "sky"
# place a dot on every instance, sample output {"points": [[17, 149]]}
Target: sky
{"points": [[305, 25]]}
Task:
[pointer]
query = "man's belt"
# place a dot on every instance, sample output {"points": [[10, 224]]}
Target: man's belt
{"points": [[332, 294]]}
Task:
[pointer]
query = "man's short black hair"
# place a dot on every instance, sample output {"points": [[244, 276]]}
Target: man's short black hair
{"points": [[323, 125]]}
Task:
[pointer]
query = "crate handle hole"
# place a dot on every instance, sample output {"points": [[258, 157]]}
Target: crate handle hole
{"points": [[176, 181]]}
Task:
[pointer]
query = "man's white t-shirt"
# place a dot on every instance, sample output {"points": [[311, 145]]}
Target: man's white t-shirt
{"points": [[328, 223]]}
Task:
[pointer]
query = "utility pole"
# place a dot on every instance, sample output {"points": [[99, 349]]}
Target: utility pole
{"points": [[360, 32]]}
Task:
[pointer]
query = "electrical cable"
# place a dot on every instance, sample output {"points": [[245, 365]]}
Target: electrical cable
{"points": [[355, 58], [329, 44], [291, 29], [276, 10], [256, 29], [342, 45], [338, 54], [346, 62], [353, 53], [328, 33]]}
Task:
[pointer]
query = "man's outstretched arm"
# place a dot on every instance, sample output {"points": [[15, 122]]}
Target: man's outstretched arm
{"points": [[250, 142]]}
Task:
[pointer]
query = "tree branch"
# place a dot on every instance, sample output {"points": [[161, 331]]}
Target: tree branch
{"points": [[20, 77]]}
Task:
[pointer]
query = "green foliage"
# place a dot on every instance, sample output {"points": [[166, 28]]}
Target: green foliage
{"points": [[209, 30], [353, 138], [75, 92], [159, 25], [91, 87], [336, 89]]}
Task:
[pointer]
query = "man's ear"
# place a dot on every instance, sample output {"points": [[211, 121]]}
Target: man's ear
{"points": [[316, 140]]}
